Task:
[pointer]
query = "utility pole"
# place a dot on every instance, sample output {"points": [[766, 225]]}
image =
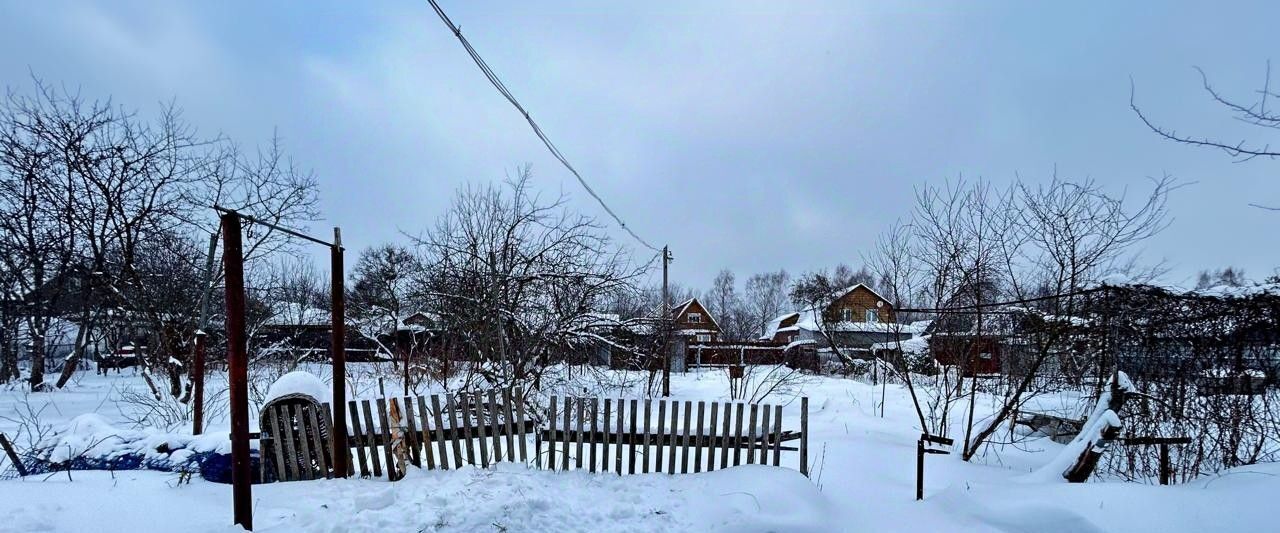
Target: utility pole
{"points": [[338, 353], [237, 371], [666, 325]]}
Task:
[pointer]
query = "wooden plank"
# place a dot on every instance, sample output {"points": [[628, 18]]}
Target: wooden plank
{"points": [[724, 435], [684, 442], [631, 458], [510, 425], [22, 468], [305, 463], [495, 421], [286, 436], [662, 436], [674, 431], [577, 460], [551, 448], [319, 444], [277, 444], [751, 434], [595, 431], [711, 437], [777, 432], [396, 438], [411, 436], [424, 418], [568, 434], [461, 402], [737, 437], [388, 446], [477, 407], [608, 406], [804, 436], [328, 415], [369, 433], [519, 399], [698, 439], [763, 435], [358, 437], [644, 454], [438, 416], [618, 456]]}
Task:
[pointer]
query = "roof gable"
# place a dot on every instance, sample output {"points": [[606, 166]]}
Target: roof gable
{"points": [[850, 289], [693, 305]]}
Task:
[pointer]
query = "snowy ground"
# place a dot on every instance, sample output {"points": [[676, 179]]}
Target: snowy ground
{"points": [[862, 480]]}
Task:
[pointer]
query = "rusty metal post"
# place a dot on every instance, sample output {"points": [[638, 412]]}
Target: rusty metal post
{"points": [[197, 367], [197, 386], [920, 470], [237, 371], [666, 326], [339, 356]]}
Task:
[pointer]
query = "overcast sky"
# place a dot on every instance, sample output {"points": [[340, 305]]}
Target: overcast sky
{"points": [[748, 136]]}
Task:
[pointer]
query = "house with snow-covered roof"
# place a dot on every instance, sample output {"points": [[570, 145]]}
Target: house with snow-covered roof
{"points": [[853, 318]]}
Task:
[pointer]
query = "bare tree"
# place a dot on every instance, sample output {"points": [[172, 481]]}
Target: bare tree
{"points": [[726, 305], [95, 198], [1254, 113], [520, 281], [765, 296]]}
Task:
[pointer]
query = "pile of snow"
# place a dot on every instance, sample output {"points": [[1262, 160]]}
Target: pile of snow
{"points": [[299, 382], [90, 442]]}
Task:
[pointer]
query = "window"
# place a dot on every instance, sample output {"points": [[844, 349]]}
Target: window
{"points": [[846, 314], [703, 337], [872, 315], [695, 318]]}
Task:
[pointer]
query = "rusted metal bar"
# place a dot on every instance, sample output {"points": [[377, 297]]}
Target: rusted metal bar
{"points": [[237, 371], [197, 364], [337, 352]]}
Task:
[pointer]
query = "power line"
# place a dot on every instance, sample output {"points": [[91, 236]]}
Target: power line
{"points": [[502, 88]]}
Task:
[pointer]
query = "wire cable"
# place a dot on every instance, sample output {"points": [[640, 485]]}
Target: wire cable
{"points": [[502, 88]]}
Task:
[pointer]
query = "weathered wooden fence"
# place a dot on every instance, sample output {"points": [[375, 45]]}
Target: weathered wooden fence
{"points": [[625, 437], [435, 432], [428, 432]]}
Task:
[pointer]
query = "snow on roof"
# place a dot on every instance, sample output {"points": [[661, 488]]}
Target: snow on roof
{"points": [[798, 342], [772, 328], [811, 320], [912, 346], [845, 292], [298, 314]]}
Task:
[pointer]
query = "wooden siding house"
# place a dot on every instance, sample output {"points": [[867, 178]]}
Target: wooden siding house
{"points": [[691, 320], [854, 319]]}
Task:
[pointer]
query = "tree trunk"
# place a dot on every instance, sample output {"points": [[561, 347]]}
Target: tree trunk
{"points": [[1088, 460], [37, 327], [8, 355], [72, 362]]}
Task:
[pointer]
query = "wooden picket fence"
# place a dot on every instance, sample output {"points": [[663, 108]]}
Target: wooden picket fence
{"points": [[485, 428], [625, 433]]}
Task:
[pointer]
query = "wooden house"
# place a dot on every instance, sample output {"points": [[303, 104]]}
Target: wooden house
{"points": [[691, 320], [854, 318]]}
